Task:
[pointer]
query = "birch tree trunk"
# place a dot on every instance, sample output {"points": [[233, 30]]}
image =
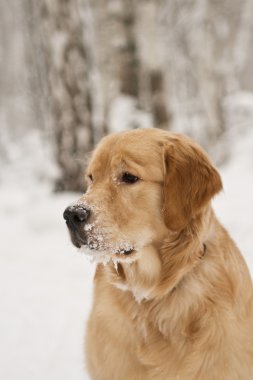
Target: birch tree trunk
{"points": [[194, 79], [124, 60], [152, 92], [36, 63], [70, 89]]}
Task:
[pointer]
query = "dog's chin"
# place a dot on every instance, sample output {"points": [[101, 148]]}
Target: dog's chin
{"points": [[104, 255]]}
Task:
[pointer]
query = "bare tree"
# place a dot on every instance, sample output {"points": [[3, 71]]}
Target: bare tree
{"points": [[18, 103], [35, 60], [152, 92], [70, 89]]}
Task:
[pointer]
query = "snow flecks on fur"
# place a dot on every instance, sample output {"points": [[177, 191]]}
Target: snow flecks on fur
{"points": [[88, 227], [95, 256], [100, 250], [114, 253]]}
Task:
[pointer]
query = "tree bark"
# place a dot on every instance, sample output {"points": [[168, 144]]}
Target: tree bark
{"points": [[70, 90]]}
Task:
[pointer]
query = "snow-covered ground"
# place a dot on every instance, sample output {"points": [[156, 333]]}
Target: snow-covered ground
{"points": [[45, 289], [46, 286]]}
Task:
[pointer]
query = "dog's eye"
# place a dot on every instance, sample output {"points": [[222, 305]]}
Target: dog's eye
{"points": [[129, 178]]}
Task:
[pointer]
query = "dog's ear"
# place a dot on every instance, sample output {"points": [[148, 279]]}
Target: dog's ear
{"points": [[190, 181]]}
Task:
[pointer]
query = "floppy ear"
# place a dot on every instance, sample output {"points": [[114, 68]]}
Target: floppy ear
{"points": [[190, 181]]}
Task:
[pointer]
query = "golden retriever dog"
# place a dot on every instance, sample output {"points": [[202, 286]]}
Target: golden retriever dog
{"points": [[173, 297]]}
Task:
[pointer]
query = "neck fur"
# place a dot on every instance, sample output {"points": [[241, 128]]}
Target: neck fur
{"points": [[160, 269]]}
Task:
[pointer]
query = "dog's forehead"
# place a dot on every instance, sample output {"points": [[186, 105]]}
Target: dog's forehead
{"points": [[127, 148]]}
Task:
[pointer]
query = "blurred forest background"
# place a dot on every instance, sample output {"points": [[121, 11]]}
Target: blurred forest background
{"points": [[72, 71]]}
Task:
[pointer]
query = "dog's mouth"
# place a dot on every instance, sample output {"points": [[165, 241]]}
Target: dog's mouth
{"points": [[125, 251], [99, 246], [116, 251]]}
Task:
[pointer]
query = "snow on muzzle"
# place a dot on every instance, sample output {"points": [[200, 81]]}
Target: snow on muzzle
{"points": [[90, 235], [101, 239]]}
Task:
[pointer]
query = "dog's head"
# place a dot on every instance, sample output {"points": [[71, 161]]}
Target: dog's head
{"points": [[142, 185]]}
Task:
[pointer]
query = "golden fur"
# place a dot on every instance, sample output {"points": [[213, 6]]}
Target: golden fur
{"points": [[180, 306]]}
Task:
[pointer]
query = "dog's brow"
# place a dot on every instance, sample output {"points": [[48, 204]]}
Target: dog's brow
{"points": [[134, 164], [137, 160]]}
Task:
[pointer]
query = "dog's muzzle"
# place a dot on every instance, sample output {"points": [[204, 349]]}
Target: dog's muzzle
{"points": [[76, 217]]}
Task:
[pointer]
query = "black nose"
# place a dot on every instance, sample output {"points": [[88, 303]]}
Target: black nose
{"points": [[75, 216]]}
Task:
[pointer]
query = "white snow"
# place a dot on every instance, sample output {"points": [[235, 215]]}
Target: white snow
{"points": [[45, 289], [46, 286]]}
